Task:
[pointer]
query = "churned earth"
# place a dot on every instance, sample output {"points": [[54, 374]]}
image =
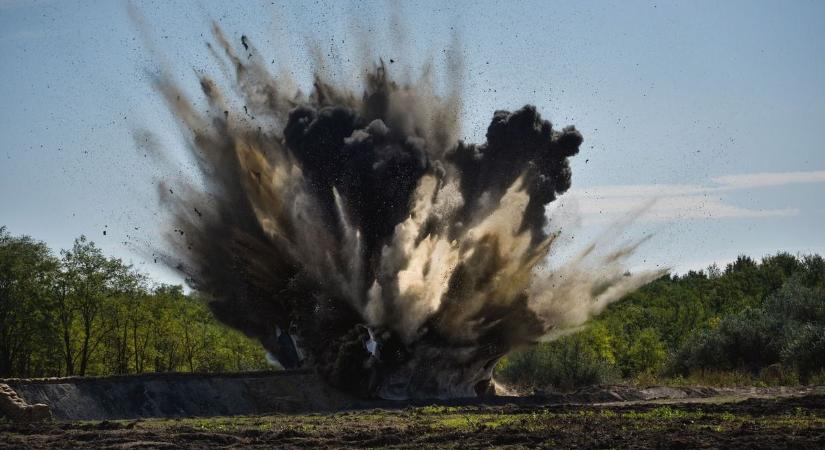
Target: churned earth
{"points": [[718, 422]]}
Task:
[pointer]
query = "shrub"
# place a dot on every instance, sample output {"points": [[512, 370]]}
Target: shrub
{"points": [[817, 378], [647, 354], [806, 350], [566, 364], [788, 328]]}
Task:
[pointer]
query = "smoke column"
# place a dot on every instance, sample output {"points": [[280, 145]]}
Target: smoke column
{"points": [[353, 232]]}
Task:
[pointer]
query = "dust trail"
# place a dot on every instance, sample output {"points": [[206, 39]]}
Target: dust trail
{"points": [[352, 230]]}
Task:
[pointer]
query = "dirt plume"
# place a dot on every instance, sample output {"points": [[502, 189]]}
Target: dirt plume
{"points": [[352, 231]]}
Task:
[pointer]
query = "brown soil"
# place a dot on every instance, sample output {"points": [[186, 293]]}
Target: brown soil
{"points": [[769, 423]]}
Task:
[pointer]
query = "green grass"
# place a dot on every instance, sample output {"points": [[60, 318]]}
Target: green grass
{"points": [[439, 417]]}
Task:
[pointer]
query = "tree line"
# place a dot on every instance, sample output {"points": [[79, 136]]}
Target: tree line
{"points": [[751, 322], [83, 313]]}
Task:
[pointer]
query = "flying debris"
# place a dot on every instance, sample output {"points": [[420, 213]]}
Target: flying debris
{"points": [[353, 232]]}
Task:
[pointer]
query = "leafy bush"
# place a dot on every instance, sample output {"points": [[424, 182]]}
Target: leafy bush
{"points": [[789, 328], [566, 364], [817, 378], [806, 350], [647, 354]]}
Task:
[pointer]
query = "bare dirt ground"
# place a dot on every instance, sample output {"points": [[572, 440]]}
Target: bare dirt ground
{"points": [[721, 422]]}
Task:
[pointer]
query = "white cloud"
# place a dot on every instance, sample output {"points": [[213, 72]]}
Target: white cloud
{"points": [[769, 179], [642, 190], [668, 208], [666, 202]]}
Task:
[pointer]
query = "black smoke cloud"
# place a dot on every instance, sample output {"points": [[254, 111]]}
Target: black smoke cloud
{"points": [[519, 144], [374, 168]]}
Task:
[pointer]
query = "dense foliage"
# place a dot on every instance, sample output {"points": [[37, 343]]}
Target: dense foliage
{"points": [[748, 318], [83, 313]]}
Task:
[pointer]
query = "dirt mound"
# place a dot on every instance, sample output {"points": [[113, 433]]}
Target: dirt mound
{"points": [[15, 408]]}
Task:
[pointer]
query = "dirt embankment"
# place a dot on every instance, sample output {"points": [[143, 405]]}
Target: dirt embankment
{"points": [[179, 395]]}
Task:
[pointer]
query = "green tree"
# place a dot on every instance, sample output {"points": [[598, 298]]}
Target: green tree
{"points": [[647, 354], [27, 270], [87, 278]]}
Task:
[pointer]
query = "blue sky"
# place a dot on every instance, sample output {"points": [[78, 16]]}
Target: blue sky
{"points": [[713, 110]]}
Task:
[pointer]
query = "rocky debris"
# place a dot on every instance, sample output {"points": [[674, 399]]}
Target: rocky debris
{"points": [[15, 408]]}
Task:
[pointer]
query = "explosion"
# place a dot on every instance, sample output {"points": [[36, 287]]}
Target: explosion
{"points": [[354, 233]]}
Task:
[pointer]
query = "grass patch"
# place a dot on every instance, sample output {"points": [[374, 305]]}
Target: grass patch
{"points": [[436, 409], [662, 413]]}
